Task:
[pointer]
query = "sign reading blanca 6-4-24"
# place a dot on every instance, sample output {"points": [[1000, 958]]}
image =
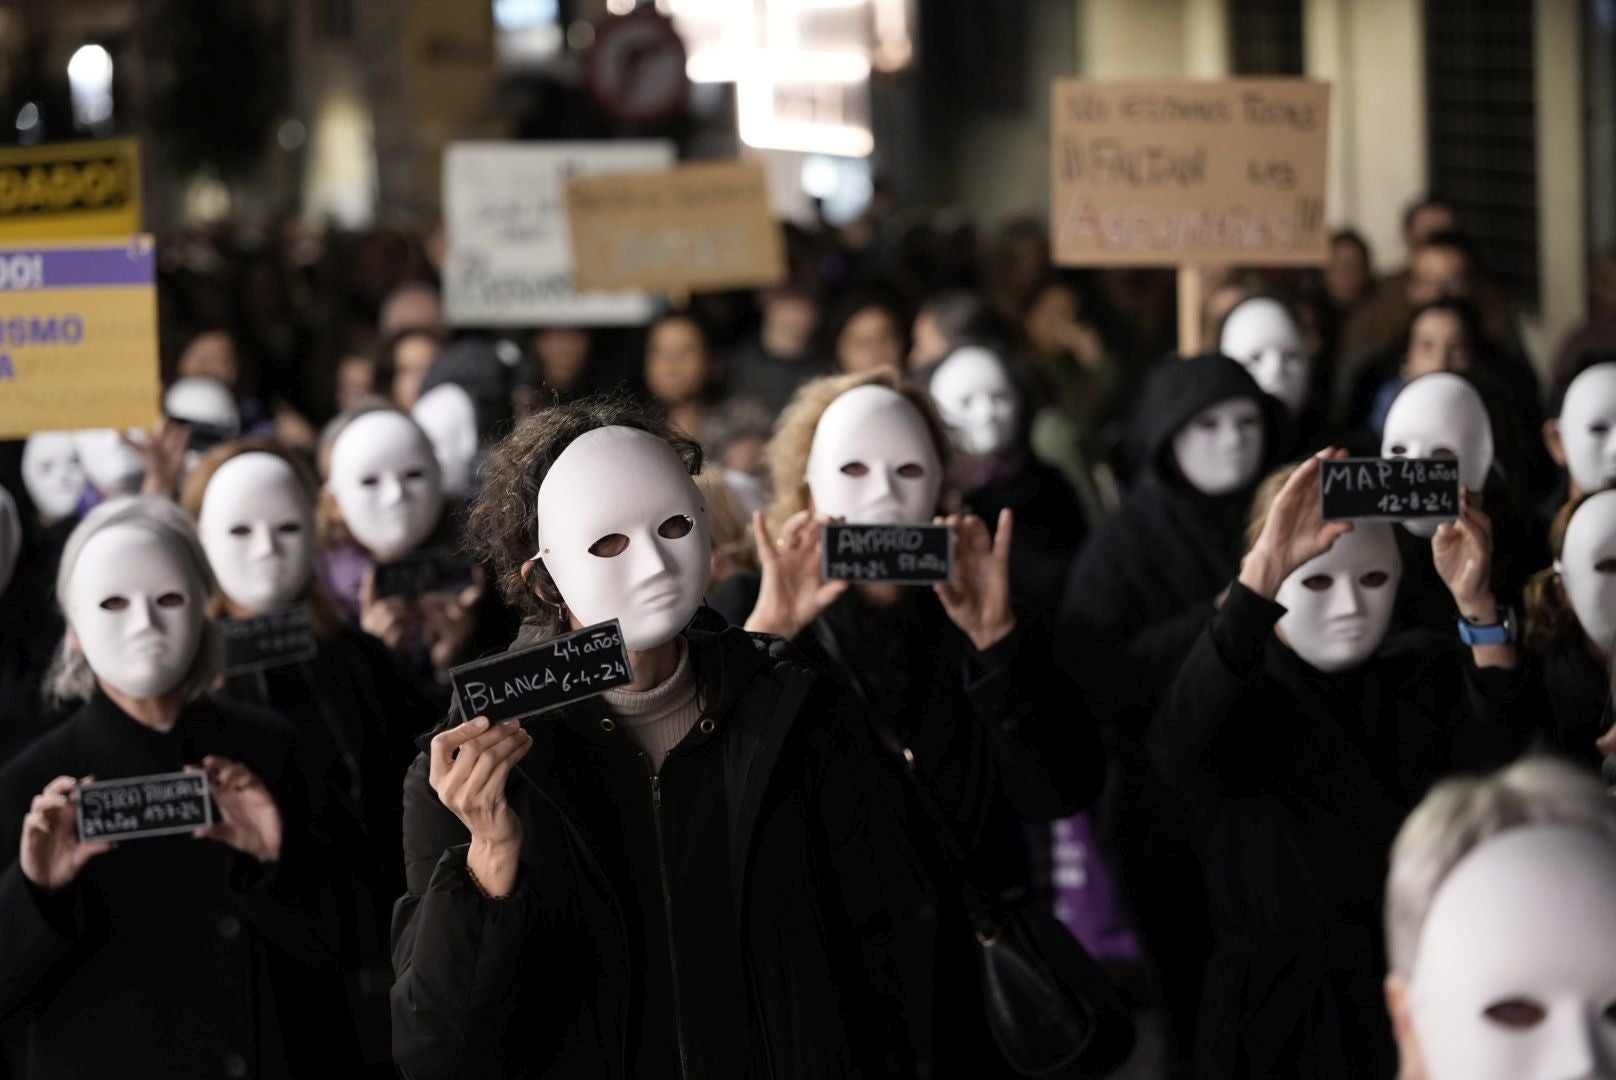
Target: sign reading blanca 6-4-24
{"points": [[1165, 174], [78, 336]]}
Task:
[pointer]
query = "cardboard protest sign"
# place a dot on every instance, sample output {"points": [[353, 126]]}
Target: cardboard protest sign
{"points": [[268, 641], [700, 227], [78, 189], [78, 337], [510, 249], [437, 569], [1164, 174], [1390, 489], [138, 807], [558, 672], [888, 554]]}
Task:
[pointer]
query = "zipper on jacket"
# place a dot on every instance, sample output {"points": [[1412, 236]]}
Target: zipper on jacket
{"points": [[667, 915]]}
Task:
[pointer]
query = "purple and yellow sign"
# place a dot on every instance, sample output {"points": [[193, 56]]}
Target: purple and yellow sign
{"points": [[78, 337]]}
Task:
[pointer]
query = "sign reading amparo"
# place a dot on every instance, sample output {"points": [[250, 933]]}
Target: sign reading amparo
{"points": [[70, 190], [1164, 174]]}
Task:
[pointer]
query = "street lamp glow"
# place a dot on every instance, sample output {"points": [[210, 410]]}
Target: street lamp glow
{"points": [[89, 77]]}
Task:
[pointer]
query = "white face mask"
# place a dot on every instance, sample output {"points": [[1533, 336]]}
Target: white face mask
{"points": [[873, 461], [448, 416], [10, 538], [1260, 335], [1588, 428], [386, 483], [136, 609], [974, 393], [201, 400], [1515, 974], [257, 526], [52, 473], [1587, 568], [114, 468], [624, 533], [1441, 416], [1339, 604], [1221, 449]]}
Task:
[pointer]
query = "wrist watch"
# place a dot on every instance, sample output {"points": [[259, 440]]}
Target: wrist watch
{"points": [[1499, 633]]}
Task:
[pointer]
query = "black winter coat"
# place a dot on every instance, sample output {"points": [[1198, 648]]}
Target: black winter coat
{"points": [[1050, 528], [1569, 691], [1300, 781], [167, 957], [770, 851]]}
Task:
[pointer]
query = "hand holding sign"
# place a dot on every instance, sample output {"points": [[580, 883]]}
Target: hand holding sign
{"points": [[1295, 530], [385, 618], [978, 596], [470, 765], [249, 820], [792, 593], [449, 621], [52, 854], [1463, 553]]}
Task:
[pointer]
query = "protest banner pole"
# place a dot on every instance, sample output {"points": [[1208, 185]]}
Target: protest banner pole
{"points": [[1191, 305]]}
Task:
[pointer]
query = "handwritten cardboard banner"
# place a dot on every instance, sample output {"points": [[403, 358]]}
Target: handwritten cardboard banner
{"points": [[700, 227], [78, 337], [62, 190], [1163, 174]]}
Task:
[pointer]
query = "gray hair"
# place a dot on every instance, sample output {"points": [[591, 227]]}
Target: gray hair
{"points": [[1462, 813], [70, 679]]}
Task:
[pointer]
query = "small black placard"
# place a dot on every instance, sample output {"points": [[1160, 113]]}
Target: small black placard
{"points": [[888, 554], [1390, 489], [560, 671], [268, 641], [138, 807], [429, 570]]}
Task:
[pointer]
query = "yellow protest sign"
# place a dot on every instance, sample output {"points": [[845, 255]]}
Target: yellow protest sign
{"points": [[78, 337], [702, 226], [65, 190], [1164, 174]]}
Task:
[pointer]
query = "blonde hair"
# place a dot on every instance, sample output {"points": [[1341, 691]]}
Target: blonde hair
{"points": [[786, 454], [1263, 501], [731, 528]]}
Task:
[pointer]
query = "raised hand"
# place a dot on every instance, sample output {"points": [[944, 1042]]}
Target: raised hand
{"points": [[977, 594], [387, 619], [249, 820], [450, 621], [1295, 531], [1463, 553], [791, 594], [163, 456], [51, 854], [469, 767]]}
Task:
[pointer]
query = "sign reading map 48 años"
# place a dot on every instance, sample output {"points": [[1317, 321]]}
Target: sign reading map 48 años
{"points": [[78, 336]]}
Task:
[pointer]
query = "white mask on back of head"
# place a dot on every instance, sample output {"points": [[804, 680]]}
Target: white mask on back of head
{"points": [[10, 538], [624, 533], [112, 466], [257, 526], [52, 473], [386, 483], [1221, 449], [136, 608], [449, 417], [974, 393], [873, 461], [1588, 428], [1263, 338], [1514, 977], [1441, 416], [1339, 604], [1587, 567]]}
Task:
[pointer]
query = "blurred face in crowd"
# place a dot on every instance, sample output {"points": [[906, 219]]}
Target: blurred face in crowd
{"points": [[356, 377], [449, 417], [563, 354], [1587, 569], [211, 355], [789, 319], [745, 455], [1428, 221], [1263, 338], [1221, 449], [1437, 342], [873, 461], [870, 340], [1441, 416], [978, 401], [1050, 316], [930, 346], [1583, 438], [1346, 275], [411, 307], [110, 464], [412, 359], [1439, 273], [386, 483], [1339, 604], [257, 527], [52, 474], [677, 364]]}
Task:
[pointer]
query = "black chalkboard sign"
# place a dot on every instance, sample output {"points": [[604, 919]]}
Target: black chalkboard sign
{"points": [[888, 554], [1390, 489], [268, 641], [560, 671], [429, 570], [138, 807]]}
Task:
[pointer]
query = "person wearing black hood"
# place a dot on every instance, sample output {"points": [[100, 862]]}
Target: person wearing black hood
{"points": [[1135, 601]]}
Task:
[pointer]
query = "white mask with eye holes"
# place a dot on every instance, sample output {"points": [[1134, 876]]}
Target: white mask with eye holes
{"points": [[624, 533], [1261, 335], [136, 608], [112, 466], [1220, 450], [52, 474], [1339, 604], [974, 393], [1441, 416], [257, 527], [1514, 977], [1587, 568], [10, 538], [873, 461], [449, 417], [386, 483], [1588, 428]]}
